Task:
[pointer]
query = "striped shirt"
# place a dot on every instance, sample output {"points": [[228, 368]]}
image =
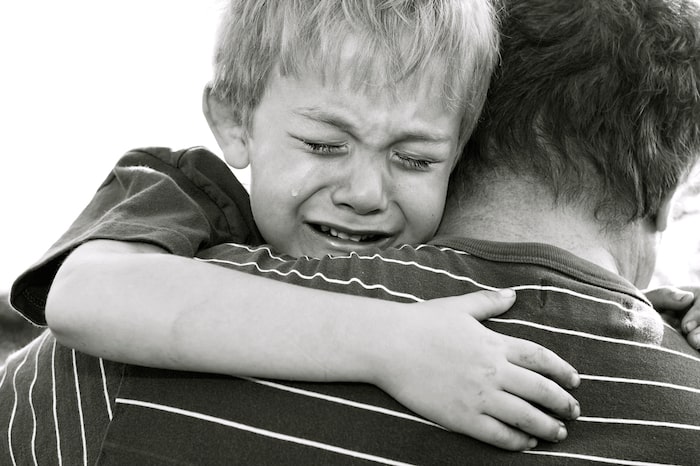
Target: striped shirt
{"points": [[55, 404], [640, 390]]}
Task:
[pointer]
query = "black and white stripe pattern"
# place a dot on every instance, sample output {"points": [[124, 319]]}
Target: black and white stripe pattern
{"points": [[640, 391], [55, 404]]}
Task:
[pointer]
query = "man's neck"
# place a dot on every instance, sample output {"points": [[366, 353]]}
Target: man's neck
{"points": [[514, 211]]}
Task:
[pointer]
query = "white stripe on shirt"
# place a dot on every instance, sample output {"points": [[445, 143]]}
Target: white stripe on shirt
{"points": [[4, 372], [104, 388], [55, 408], [637, 422], [597, 459], [254, 249], [342, 401], [263, 432], [439, 248], [483, 286], [80, 408], [593, 336], [316, 275], [14, 406], [31, 397], [672, 386]]}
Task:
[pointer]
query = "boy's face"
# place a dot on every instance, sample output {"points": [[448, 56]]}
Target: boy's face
{"points": [[335, 170]]}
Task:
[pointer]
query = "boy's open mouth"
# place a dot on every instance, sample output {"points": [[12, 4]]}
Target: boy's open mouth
{"points": [[358, 238]]}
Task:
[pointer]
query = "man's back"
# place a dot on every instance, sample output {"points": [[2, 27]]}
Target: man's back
{"points": [[639, 393]]}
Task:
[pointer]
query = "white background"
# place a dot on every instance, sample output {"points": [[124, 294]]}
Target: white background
{"points": [[81, 82]]}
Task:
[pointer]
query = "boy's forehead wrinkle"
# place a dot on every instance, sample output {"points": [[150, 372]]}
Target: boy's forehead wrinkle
{"points": [[328, 118]]}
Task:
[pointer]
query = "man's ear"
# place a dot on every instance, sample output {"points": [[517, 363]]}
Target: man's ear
{"points": [[229, 133], [664, 213]]}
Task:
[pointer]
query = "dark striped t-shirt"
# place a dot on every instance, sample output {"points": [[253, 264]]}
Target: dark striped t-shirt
{"points": [[640, 390]]}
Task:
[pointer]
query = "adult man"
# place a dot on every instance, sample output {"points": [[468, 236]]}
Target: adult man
{"points": [[591, 123]]}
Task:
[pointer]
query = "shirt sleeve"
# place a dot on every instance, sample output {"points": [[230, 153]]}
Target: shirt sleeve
{"points": [[180, 201]]}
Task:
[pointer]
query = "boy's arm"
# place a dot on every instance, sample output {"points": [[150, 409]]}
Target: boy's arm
{"points": [[181, 201], [166, 311]]}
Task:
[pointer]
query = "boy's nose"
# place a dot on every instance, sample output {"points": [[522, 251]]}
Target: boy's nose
{"points": [[362, 188]]}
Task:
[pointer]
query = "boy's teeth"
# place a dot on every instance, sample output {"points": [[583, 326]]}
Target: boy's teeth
{"points": [[343, 235]]}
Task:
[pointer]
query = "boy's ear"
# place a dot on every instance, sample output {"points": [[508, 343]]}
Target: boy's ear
{"points": [[229, 133]]}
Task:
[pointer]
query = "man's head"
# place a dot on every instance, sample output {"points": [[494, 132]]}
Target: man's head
{"points": [[595, 101], [351, 113]]}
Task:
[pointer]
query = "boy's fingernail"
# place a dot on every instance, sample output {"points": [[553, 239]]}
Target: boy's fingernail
{"points": [[506, 293], [690, 326], [561, 434], [696, 341], [575, 380], [576, 412], [682, 295], [532, 443]]}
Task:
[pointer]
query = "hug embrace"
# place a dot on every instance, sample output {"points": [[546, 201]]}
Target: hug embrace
{"points": [[470, 194]]}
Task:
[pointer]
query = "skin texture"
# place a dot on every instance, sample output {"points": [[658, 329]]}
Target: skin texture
{"points": [[330, 156]]}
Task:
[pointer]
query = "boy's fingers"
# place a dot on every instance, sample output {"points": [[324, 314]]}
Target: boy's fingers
{"points": [[694, 338], [691, 320], [485, 304], [670, 299], [537, 358], [496, 433], [525, 417], [531, 387]]}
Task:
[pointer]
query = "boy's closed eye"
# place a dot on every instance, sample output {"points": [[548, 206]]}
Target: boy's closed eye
{"points": [[323, 148], [412, 162]]}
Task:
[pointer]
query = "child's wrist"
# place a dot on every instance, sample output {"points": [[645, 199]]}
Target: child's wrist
{"points": [[379, 346], [389, 345]]}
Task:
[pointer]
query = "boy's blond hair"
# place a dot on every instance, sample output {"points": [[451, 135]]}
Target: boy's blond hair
{"points": [[454, 43]]}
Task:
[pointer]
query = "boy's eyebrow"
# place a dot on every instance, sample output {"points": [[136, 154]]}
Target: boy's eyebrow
{"points": [[336, 120]]}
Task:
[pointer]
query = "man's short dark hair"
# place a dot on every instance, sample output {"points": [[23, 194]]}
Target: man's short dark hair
{"points": [[599, 100]]}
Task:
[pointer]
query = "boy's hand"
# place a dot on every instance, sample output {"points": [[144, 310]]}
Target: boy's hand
{"points": [[680, 307], [453, 370]]}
